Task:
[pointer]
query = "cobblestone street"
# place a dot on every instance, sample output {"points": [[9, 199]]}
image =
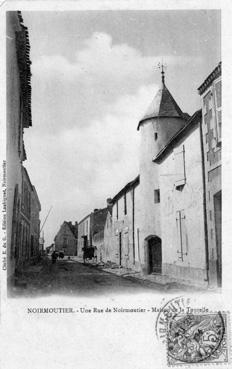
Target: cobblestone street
{"points": [[70, 277]]}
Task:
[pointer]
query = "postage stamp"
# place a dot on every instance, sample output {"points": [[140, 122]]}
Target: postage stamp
{"points": [[195, 338], [193, 335]]}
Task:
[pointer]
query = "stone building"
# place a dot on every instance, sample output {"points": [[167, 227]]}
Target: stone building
{"points": [[120, 242], [210, 92], [97, 225], [183, 254], [90, 230], [66, 238], [84, 234], [29, 224], [162, 121], [18, 118]]}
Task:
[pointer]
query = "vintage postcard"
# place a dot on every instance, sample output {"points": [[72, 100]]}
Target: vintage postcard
{"points": [[115, 184]]}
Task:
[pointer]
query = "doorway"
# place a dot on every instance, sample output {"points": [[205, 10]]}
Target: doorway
{"points": [[154, 255], [218, 231]]}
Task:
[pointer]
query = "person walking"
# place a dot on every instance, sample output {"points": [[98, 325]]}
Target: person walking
{"points": [[54, 257]]}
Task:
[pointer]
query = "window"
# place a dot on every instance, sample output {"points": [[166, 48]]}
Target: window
{"points": [[182, 239], [156, 196], [86, 225], [156, 136], [117, 209], [218, 107], [180, 175], [125, 205]]}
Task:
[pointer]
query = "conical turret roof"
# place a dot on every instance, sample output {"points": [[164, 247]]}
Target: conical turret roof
{"points": [[163, 106]]}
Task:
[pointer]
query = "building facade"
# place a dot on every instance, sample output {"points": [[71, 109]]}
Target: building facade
{"points": [[162, 121], [84, 234], [182, 205], [18, 118], [210, 92], [66, 239], [90, 230], [97, 225], [119, 231], [29, 224], [22, 199]]}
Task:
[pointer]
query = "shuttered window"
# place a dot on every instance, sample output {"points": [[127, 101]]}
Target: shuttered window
{"points": [[218, 106], [182, 237], [117, 209], [125, 204], [180, 175]]}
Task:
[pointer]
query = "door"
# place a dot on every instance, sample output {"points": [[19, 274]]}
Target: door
{"points": [[155, 255], [218, 230]]}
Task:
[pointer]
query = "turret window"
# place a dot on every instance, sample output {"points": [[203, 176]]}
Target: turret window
{"points": [[156, 196], [156, 136]]}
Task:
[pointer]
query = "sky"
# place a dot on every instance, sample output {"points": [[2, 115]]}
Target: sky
{"points": [[94, 73]]}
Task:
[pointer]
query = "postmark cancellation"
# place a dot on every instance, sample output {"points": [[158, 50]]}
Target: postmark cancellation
{"points": [[193, 336]]}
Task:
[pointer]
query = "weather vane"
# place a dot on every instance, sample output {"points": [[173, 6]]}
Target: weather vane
{"points": [[162, 66]]}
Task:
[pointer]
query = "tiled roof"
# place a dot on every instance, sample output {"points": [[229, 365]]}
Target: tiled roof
{"points": [[163, 106], [72, 228], [126, 188], [23, 56], [211, 77]]}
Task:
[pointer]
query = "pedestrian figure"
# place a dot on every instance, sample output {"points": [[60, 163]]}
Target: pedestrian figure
{"points": [[54, 257]]}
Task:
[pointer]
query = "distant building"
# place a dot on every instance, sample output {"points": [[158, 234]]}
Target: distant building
{"points": [[97, 229], [210, 92], [66, 239], [84, 234], [90, 228], [18, 118]]}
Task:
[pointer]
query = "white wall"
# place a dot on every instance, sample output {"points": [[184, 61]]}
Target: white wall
{"points": [[190, 200]]}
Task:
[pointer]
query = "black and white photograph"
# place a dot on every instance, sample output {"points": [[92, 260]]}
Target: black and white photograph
{"points": [[114, 151], [112, 184]]}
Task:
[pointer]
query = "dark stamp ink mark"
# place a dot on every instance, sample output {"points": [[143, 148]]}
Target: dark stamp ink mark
{"points": [[195, 338], [192, 335]]}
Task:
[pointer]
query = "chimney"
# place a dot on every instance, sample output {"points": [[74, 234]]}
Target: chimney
{"points": [[109, 202]]}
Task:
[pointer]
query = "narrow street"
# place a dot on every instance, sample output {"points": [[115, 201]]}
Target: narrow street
{"points": [[70, 277]]}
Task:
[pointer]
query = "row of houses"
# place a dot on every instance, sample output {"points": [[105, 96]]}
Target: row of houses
{"points": [[23, 205], [71, 238], [167, 221]]}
